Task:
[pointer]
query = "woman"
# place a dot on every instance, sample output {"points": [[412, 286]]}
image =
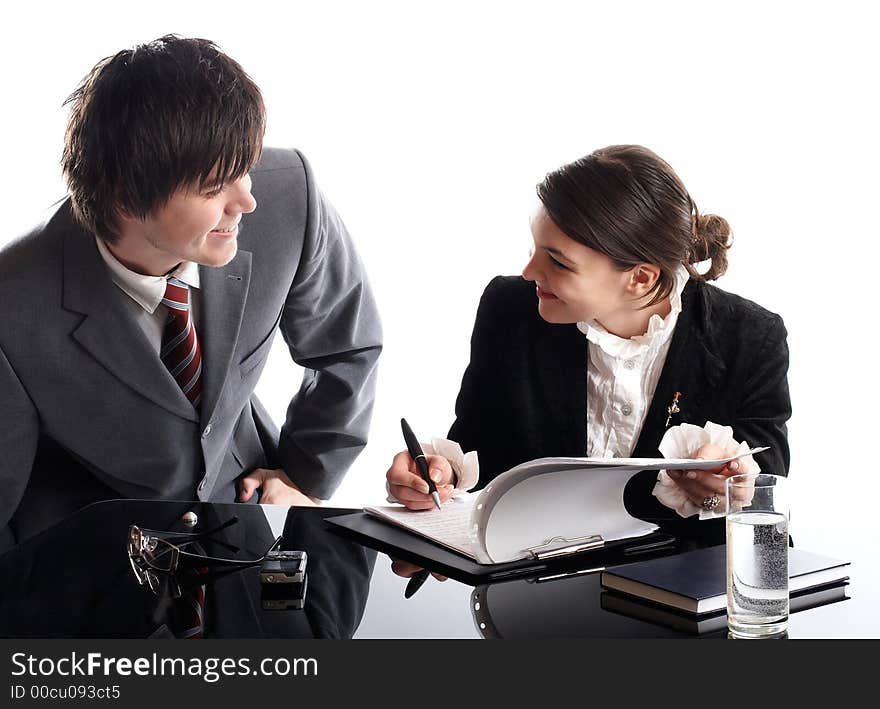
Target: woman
{"points": [[610, 336]]}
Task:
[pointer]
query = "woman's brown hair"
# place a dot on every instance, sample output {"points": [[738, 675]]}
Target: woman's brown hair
{"points": [[627, 203]]}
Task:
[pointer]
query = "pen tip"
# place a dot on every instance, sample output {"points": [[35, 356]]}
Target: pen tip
{"points": [[436, 497]]}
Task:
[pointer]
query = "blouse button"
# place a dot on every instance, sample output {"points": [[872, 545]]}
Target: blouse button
{"points": [[629, 364], [626, 409]]}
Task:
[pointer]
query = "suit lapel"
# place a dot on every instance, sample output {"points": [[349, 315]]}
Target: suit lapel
{"points": [[224, 294], [108, 332], [561, 361], [692, 368]]}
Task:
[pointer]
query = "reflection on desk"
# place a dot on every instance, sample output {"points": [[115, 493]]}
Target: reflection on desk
{"points": [[575, 605], [75, 580]]}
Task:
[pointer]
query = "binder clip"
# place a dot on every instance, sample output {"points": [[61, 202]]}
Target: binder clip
{"points": [[556, 547]]}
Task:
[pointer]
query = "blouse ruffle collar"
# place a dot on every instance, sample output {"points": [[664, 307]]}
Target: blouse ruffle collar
{"points": [[659, 328]]}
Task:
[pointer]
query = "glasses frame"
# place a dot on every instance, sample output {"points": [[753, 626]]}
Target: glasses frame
{"points": [[143, 540]]}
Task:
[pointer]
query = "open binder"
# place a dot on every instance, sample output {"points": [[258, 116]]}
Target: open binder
{"points": [[532, 517], [400, 544]]}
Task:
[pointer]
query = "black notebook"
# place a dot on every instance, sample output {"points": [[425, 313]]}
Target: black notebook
{"points": [[696, 581], [707, 623]]}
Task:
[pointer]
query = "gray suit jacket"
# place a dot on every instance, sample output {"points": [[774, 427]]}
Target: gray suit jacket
{"points": [[89, 412]]}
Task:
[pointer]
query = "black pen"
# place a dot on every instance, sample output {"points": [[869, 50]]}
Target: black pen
{"points": [[415, 450], [415, 582]]}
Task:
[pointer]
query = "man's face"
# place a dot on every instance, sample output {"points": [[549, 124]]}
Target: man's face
{"points": [[201, 227]]}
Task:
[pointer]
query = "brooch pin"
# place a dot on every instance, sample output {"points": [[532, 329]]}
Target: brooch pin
{"points": [[673, 408]]}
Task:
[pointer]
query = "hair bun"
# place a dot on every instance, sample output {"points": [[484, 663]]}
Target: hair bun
{"points": [[712, 239]]}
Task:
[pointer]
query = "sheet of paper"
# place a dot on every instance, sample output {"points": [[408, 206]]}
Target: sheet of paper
{"points": [[633, 463], [449, 526]]}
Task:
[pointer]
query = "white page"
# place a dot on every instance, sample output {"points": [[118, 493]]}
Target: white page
{"points": [[633, 464], [449, 526]]}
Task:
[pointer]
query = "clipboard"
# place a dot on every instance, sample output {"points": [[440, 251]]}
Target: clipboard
{"points": [[524, 519], [401, 544]]}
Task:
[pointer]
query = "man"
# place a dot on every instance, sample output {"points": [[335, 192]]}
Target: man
{"points": [[137, 319]]}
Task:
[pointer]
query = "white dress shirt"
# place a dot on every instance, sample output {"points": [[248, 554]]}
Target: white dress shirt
{"points": [[622, 376], [145, 293]]}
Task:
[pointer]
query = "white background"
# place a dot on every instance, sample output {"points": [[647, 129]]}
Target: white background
{"points": [[428, 128]]}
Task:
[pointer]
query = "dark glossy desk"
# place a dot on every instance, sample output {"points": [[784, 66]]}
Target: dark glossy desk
{"points": [[571, 607], [74, 581], [576, 606]]}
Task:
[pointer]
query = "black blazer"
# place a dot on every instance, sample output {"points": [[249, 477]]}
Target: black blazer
{"points": [[524, 393]]}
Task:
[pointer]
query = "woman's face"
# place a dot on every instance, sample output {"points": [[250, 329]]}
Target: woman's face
{"points": [[574, 282]]}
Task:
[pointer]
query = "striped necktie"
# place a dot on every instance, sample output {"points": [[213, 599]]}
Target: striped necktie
{"points": [[180, 347], [195, 600]]}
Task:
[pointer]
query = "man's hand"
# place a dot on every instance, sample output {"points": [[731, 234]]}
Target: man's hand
{"points": [[406, 485], [275, 489]]}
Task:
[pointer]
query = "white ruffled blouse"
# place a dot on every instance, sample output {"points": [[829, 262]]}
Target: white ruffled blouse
{"points": [[622, 376]]}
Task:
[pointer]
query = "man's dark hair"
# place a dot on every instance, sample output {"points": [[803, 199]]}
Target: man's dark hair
{"points": [[627, 203], [173, 113]]}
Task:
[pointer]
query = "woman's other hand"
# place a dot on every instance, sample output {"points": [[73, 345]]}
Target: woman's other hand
{"points": [[702, 483]]}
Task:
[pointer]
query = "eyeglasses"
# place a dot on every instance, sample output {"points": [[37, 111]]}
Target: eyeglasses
{"points": [[155, 555]]}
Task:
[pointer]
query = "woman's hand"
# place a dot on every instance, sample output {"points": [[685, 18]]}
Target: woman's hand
{"points": [[408, 570], [406, 485], [700, 484]]}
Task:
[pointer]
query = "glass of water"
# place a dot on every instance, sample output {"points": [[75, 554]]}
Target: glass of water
{"points": [[757, 555]]}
